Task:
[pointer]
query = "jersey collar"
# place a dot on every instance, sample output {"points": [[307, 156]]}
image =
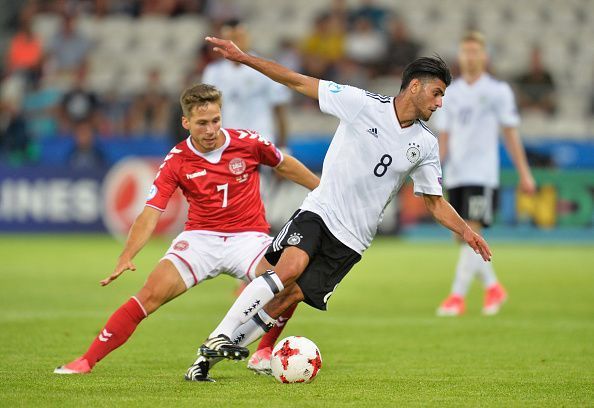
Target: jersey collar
{"points": [[215, 155], [395, 120]]}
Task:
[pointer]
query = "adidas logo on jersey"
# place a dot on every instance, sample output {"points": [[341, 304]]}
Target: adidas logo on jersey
{"points": [[373, 131]]}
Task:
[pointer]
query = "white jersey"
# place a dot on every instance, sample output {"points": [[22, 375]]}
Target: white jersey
{"points": [[248, 96], [368, 160], [472, 116]]}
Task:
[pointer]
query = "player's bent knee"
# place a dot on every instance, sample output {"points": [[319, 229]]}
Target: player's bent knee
{"points": [[291, 265], [288, 275], [162, 285], [149, 299]]}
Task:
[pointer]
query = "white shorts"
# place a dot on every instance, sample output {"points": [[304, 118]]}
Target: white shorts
{"points": [[202, 255]]}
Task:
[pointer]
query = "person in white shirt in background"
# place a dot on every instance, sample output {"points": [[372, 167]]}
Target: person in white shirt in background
{"points": [[252, 100], [475, 108]]}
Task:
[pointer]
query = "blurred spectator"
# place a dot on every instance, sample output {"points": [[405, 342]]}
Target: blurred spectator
{"points": [[79, 105], [535, 88], [401, 49], [68, 49], [105, 7], [40, 107], [365, 44], [114, 107], [14, 136], [150, 111], [204, 57], [340, 13], [85, 154], [176, 131], [288, 54], [25, 52], [370, 11], [351, 73], [222, 10], [323, 47]]}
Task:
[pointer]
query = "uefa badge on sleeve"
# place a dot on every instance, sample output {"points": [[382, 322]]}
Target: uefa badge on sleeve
{"points": [[334, 87], [152, 193]]}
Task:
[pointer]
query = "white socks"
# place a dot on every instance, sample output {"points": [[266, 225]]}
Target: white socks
{"points": [[469, 264], [253, 298], [486, 274], [253, 329]]}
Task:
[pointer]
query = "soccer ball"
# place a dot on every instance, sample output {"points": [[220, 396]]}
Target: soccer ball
{"points": [[295, 359]]}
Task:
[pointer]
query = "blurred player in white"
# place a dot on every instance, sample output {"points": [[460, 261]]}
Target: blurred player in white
{"points": [[252, 101], [380, 142], [226, 231], [474, 110]]}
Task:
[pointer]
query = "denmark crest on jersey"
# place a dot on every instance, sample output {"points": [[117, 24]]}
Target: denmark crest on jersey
{"points": [[237, 166]]}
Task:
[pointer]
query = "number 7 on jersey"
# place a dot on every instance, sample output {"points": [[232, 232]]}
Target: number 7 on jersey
{"points": [[225, 189]]}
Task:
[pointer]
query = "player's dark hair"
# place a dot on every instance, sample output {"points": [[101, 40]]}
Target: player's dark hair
{"points": [[426, 67], [199, 95]]}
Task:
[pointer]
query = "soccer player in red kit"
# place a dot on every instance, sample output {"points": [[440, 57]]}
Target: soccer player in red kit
{"points": [[226, 231]]}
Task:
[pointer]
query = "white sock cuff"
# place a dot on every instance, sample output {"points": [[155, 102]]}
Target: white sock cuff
{"points": [[272, 279], [266, 317], [263, 320]]}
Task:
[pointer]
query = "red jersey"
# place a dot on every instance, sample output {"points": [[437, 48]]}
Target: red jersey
{"points": [[222, 187]]}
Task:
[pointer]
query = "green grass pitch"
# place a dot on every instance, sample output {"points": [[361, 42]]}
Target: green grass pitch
{"points": [[380, 341]]}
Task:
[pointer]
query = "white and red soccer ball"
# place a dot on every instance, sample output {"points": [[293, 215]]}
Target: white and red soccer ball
{"points": [[295, 359]]}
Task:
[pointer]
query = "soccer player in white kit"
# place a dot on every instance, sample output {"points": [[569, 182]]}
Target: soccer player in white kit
{"points": [[475, 108], [380, 141], [226, 231]]}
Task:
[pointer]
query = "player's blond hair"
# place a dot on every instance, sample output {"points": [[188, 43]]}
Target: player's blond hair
{"points": [[199, 95], [474, 36]]}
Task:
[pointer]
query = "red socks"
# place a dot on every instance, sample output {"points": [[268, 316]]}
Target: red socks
{"points": [[117, 330], [270, 338]]}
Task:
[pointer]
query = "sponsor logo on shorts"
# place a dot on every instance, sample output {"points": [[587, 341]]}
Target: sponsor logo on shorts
{"points": [[237, 166], [294, 238], [413, 154], [181, 245]]}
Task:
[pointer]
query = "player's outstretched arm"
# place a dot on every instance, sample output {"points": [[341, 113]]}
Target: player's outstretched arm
{"points": [[304, 84], [292, 169], [139, 234], [517, 153], [445, 214]]}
